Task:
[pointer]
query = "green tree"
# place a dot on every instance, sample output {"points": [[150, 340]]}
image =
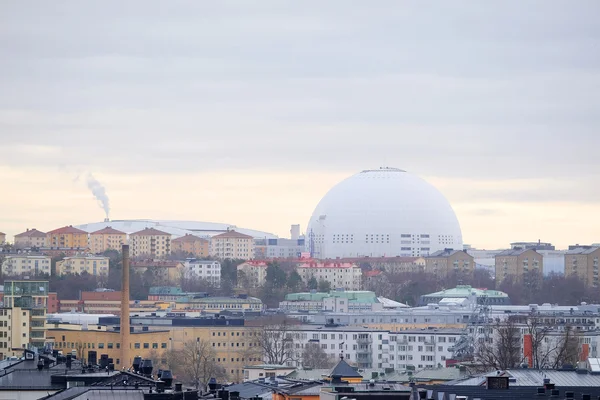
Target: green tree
{"points": [[324, 286], [294, 280], [312, 283], [276, 277]]}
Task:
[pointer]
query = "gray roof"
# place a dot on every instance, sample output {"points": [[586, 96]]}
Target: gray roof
{"points": [[582, 250], [444, 253], [344, 369], [513, 252], [532, 377], [249, 389]]}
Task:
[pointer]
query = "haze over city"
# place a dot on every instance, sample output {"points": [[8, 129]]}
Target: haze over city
{"points": [[248, 113]]}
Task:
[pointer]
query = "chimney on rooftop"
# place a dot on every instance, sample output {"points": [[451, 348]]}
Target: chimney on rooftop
{"points": [[125, 334]]}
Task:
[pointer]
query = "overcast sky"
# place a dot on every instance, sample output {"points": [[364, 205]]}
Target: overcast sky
{"points": [[247, 112]]}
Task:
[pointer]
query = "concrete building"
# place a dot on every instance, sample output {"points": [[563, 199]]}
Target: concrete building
{"points": [[107, 239], [85, 263], [233, 245], [218, 304], [252, 274], [31, 295], [209, 270], [474, 295], [151, 243], [339, 275], [68, 236], [191, 245], [335, 301], [518, 263], [164, 270], [278, 248], [30, 238], [15, 328], [448, 261], [22, 264], [583, 263]]}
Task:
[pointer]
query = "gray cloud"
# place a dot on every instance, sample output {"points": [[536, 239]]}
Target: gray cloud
{"points": [[492, 90]]}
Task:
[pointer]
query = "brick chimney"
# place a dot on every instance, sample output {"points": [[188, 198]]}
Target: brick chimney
{"points": [[125, 334]]}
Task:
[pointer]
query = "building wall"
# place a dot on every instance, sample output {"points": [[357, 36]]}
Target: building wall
{"points": [[459, 262], [518, 265], [166, 273], [254, 272], [584, 266], [232, 247], [31, 239], [346, 277], [93, 265], [2, 238], [14, 331], [189, 244], [204, 269], [217, 305], [79, 240], [102, 242], [26, 264], [150, 245]]}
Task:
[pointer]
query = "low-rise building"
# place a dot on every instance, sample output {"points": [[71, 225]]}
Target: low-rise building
{"points": [[25, 264], [107, 239], [90, 264], [339, 275], [252, 274], [518, 263], [150, 243], [215, 305], [335, 301], [583, 263], [474, 295], [232, 245], [67, 236], [448, 261], [209, 270], [30, 238], [191, 245]]}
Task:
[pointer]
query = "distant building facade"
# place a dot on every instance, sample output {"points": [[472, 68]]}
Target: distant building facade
{"points": [[278, 248], [91, 264], [31, 295], [339, 275], [15, 330], [232, 244], [30, 238], [24, 264], [583, 263], [150, 242], [107, 239], [67, 236], [539, 245], [190, 244], [518, 263], [252, 274], [448, 261], [2, 238], [209, 270], [163, 270]]}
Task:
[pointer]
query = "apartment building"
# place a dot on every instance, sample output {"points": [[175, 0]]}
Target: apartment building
{"points": [[252, 274], [150, 243], [26, 264], [91, 264], [278, 248], [164, 270], [339, 275], [419, 348], [2, 238], [33, 296], [30, 238], [191, 245], [518, 263], [583, 263], [233, 245], [107, 239], [209, 270], [67, 236], [345, 301], [218, 304], [15, 326], [448, 261]]}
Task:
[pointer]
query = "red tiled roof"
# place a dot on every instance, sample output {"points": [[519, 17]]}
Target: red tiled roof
{"points": [[232, 234], [370, 274], [67, 229], [150, 232], [108, 231], [189, 238], [31, 233]]}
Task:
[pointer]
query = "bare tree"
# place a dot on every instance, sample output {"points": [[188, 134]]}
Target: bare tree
{"points": [[315, 357], [501, 349], [273, 342], [195, 363], [542, 347], [567, 348]]}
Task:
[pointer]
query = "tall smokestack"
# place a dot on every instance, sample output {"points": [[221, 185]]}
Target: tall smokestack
{"points": [[125, 361]]}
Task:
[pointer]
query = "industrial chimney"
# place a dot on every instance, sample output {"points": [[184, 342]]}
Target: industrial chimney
{"points": [[125, 333]]}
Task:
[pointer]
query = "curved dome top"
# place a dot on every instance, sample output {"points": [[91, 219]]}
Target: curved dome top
{"points": [[382, 212]]}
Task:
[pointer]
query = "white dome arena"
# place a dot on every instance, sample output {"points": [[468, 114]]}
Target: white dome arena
{"points": [[386, 212]]}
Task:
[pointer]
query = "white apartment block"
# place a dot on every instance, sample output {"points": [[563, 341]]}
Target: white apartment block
{"points": [[232, 245], [252, 273], [208, 270], [421, 349], [93, 265], [21, 264], [150, 243], [339, 275]]}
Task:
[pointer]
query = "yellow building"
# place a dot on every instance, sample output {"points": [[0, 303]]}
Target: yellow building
{"points": [[252, 274], [14, 331], [583, 263], [30, 238], [219, 304], [518, 263], [190, 244], [68, 237], [150, 243], [33, 296], [93, 265], [232, 244], [107, 239], [21, 264], [151, 344], [164, 271], [447, 262]]}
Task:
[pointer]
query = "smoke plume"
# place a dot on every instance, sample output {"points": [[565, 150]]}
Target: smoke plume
{"points": [[99, 193]]}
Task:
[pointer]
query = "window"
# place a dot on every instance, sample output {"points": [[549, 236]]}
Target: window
{"points": [[155, 345], [136, 346], [100, 345]]}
